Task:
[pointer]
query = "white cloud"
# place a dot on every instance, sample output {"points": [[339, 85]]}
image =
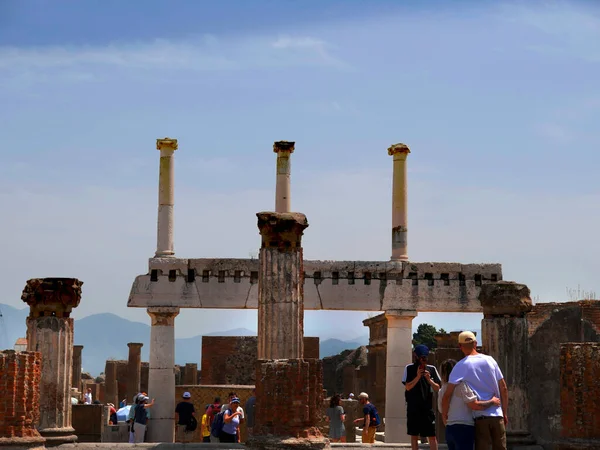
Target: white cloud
{"points": [[207, 53]]}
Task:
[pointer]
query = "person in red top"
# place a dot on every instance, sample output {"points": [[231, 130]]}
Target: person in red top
{"points": [[211, 412]]}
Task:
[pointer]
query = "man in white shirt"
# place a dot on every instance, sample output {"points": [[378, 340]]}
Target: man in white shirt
{"points": [[87, 397], [483, 376]]}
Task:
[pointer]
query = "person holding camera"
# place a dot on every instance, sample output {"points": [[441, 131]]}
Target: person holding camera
{"points": [[421, 380]]}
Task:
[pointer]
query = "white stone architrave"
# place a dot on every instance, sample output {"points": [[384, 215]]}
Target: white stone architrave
{"points": [[398, 287]]}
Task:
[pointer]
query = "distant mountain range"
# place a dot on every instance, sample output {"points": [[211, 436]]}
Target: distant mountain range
{"points": [[97, 334]]}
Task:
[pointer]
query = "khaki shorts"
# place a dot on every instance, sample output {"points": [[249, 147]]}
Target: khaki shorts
{"points": [[490, 431]]}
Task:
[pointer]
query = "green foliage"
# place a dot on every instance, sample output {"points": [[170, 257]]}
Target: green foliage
{"points": [[426, 335]]}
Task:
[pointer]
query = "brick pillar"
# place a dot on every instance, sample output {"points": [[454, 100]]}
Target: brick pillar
{"points": [[50, 331], [145, 374], [19, 400], [134, 369], [76, 377], [190, 375], [505, 336], [111, 393], [580, 394], [283, 377]]}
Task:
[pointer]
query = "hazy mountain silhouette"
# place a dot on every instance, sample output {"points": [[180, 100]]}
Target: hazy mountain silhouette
{"points": [[105, 336]]}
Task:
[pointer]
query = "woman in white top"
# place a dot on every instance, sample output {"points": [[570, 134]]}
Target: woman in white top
{"points": [[460, 427]]}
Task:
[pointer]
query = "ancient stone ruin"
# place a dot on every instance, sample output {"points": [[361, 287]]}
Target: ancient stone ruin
{"points": [[547, 352]]}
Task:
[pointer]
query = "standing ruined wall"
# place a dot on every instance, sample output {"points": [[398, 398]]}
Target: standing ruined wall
{"points": [[551, 324], [232, 359], [580, 395], [20, 375]]}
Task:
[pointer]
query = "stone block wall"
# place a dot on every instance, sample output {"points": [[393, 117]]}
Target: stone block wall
{"points": [[204, 395], [551, 324], [19, 396], [292, 391], [232, 359], [580, 392], [88, 421]]}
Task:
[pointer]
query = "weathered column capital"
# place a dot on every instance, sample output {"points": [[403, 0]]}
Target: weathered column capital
{"points": [[283, 147], [167, 145], [281, 230], [505, 298], [135, 345], [400, 314], [163, 315], [77, 349], [399, 151], [52, 296]]}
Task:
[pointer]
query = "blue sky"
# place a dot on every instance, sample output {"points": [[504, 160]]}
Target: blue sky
{"points": [[499, 102]]}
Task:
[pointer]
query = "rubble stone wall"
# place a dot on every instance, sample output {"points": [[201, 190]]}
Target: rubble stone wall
{"points": [[232, 359], [20, 375], [580, 391]]}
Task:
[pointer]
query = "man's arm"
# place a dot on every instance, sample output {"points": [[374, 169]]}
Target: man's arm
{"points": [[432, 383], [446, 401], [412, 383], [504, 398]]}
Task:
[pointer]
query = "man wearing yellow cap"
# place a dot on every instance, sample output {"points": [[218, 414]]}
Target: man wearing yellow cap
{"points": [[482, 374]]}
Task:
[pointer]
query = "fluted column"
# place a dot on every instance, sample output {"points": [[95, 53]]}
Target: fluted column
{"points": [[161, 378], [166, 197], [399, 203], [134, 369], [50, 332], [284, 150], [398, 356], [111, 391], [280, 286], [76, 377]]}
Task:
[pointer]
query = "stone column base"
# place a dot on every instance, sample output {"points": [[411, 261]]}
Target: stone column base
{"points": [[278, 443], [58, 436], [289, 399], [23, 443]]}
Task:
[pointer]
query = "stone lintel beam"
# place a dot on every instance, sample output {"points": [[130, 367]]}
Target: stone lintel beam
{"points": [[505, 298], [52, 296], [281, 230]]}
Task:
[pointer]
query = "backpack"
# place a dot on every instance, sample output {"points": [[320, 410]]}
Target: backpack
{"points": [[374, 416], [192, 424], [140, 415], [217, 424]]}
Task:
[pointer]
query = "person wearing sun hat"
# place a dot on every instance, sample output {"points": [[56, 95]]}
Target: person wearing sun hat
{"points": [[231, 426], [184, 411], [483, 375]]}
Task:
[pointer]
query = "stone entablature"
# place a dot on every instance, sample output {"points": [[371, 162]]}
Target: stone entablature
{"points": [[329, 285]]}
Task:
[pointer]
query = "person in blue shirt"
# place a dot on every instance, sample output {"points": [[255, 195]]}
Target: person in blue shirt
{"points": [[231, 426]]}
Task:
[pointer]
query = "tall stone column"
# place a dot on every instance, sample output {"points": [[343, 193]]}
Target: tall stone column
{"points": [[399, 203], [283, 201], [398, 356], [76, 377], [505, 336], [111, 391], [161, 378], [134, 370], [280, 286], [50, 332], [166, 197], [283, 376]]}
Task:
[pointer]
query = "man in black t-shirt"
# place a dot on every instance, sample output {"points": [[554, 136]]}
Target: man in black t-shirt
{"points": [[421, 380], [184, 411]]}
